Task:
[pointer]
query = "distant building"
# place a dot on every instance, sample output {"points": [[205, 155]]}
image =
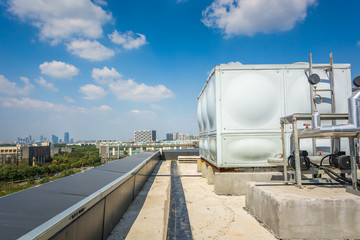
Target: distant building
{"points": [[27, 140], [66, 137], [9, 155], [58, 150], [37, 154], [115, 150], [181, 136], [144, 136], [54, 139], [24, 155], [169, 137]]}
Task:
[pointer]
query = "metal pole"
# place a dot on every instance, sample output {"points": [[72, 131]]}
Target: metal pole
{"points": [[353, 162], [333, 109], [335, 142], [313, 107], [284, 150], [297, 155]]}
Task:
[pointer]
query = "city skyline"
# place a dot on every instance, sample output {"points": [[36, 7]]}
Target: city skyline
{"points": [[28, 139], [102, 69]]}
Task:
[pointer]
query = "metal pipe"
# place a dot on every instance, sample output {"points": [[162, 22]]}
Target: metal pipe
{"points": [[316, 123], [313, 105], [346, 130], [297, 154], [353, 106], [284, 150], [335, 142], [353, 162]]}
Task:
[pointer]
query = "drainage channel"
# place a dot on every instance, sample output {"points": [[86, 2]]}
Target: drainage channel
{"points": [[179, 223]]}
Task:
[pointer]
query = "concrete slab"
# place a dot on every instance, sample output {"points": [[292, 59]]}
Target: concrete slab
{"points": [[211, 216], [147, 216], [315, 212], [217, 216], [204, 170], [235, 183], [210, 175], [199, 162]]}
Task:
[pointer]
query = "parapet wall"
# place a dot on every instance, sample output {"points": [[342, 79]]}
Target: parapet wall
{"points": [[82, 206]]}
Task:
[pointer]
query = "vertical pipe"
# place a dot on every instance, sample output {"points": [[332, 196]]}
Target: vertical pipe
{"points": [[316, 123], [353, 163], [311, 86], [313, 107], [333, 109], [335, 142], [296, 153], [284, 150]]}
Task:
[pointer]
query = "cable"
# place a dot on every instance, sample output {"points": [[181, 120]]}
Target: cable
{"points": [[329, 155], [333, 175]]}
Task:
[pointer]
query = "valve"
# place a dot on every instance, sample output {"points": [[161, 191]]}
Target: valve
{"points": [[320, 152], [307, 125]]}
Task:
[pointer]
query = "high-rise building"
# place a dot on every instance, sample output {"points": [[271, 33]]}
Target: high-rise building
{"points": [[54, 139], [169, 137], [175, 136], [66, 137], [144, 136]]}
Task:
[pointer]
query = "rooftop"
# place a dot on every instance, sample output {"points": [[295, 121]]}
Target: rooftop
{"points": [[211, 216]]}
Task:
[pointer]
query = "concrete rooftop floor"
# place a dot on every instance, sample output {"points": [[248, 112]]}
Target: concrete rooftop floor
{"points": [[211, 216]]}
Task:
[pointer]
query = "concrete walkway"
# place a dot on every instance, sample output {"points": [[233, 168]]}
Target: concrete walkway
{"points": [[211, 216]]}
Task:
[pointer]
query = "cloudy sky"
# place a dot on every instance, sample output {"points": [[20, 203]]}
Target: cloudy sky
{"points": [[101, 69]]}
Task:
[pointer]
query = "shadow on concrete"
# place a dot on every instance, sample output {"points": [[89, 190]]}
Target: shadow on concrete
{"points": [[129, 219]]}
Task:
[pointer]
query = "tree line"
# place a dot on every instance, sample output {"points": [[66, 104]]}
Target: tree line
{"points": [[82, 156]]}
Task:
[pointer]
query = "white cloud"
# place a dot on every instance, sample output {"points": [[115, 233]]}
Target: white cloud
{"points": [[141, 113], [104, 108], [92, 92], [248, 17], [38, 105], [58, 20], [105, 75], [128, 40], [58, 69], [130, 90], [49, 86], [91, 50], [11, 88], [69, 99], [27, 103]]}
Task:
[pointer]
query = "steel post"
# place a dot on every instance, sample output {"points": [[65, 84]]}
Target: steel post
{"points": [[284, 150], [353, 162], [297, 154]]}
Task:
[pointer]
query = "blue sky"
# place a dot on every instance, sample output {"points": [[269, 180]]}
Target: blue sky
{"points": [[102, 69]]}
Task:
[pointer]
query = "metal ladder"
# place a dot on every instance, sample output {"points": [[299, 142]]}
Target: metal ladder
{"points": [[335, 143]]}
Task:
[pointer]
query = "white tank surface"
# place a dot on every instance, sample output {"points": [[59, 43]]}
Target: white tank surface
{"points": [[240, 106]]}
